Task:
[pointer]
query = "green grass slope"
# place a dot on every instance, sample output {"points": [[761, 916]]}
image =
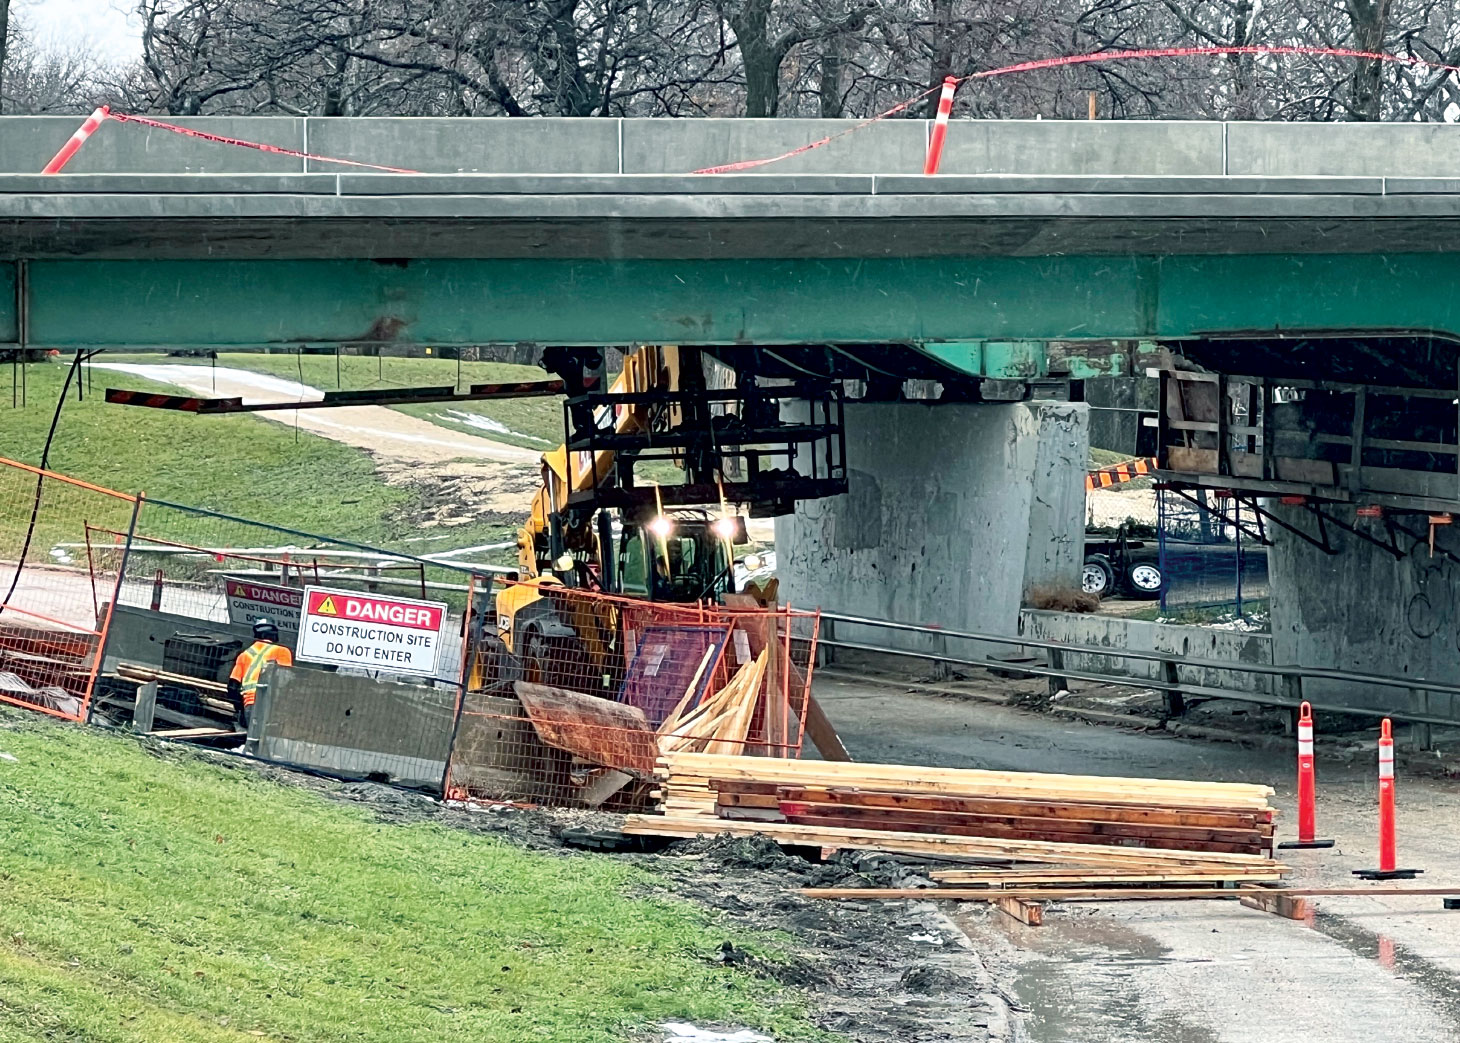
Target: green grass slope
{"points": [[242, 465], [533, 423], [148, 897]]}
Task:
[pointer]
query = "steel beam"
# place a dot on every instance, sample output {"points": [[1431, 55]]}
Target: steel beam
{"points": [[977, 316]]}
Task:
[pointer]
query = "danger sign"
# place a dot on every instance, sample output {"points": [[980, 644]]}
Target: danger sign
{"points": [[250, 602], [345, 628]]}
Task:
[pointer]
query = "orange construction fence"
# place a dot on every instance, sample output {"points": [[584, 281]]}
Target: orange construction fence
{"points": [[57, 585], [580, 719], [1105, 477]]}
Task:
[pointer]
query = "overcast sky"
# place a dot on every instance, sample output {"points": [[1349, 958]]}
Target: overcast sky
{"points": [[110, 26]]}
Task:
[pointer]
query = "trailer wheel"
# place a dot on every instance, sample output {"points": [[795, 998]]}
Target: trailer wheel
{"points": [[1097, 577], [1145, 580]]}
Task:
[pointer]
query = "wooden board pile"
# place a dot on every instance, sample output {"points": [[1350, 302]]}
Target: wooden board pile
{"points": [[721, 722], [1097, 828]]}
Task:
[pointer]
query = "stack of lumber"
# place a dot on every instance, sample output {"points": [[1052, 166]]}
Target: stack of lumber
{"points": [[721, 723], [1157, 827]]}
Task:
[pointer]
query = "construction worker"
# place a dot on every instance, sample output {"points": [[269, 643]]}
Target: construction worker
{"points": [[243, 683]]}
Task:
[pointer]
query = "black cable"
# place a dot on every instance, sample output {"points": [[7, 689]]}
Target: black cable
{"points": [[40, 479]]}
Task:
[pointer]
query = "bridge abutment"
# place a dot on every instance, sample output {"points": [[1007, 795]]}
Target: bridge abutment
{"points": [[1364, 610], [954, 513]]}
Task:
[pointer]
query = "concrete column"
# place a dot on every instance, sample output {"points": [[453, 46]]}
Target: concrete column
{"points": [[1364, 610], [954, 513]]}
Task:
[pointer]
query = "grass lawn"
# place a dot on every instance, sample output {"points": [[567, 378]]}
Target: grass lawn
{"points": [[533, 423], [1107, 457], [242, 465], [149, 898]]}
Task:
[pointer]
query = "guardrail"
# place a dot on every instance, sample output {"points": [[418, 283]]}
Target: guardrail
{"points": [[1174, 689]]}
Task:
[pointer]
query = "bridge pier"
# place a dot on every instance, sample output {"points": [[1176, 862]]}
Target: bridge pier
{"points": [[953, 514]]}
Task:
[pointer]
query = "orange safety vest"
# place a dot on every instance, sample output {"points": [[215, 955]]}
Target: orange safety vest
{"points": [[250, 664]]}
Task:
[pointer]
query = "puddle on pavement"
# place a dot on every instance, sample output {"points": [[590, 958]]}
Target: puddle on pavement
{"points": [[1082, 981], [1440, 985]]}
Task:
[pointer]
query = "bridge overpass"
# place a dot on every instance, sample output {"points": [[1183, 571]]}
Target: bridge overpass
{"points": [[1305, 274]]}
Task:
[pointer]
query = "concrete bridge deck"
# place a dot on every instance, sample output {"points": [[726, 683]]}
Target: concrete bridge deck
{"points": [[716, 216], [589, 231]]}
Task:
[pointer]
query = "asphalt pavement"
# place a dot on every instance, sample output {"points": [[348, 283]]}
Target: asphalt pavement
{"points": [[1364, 969]]}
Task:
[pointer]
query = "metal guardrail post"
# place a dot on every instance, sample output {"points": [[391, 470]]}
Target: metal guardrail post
{"points": [[1173, 703], [1057, 683], [942, 669], [1292, 693], [1421, 734], [824, 652]]}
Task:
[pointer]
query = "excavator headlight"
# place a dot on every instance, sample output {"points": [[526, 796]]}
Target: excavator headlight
{"points": [[752, 562], [725, 528], [564, 563], [661, 527]]}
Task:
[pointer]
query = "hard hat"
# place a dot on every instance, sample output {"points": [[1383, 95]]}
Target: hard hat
{"points": [[264, 630]]}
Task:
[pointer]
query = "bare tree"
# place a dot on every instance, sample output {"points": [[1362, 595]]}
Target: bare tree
{"points": [[825, 58], [766, 31], [4, 43]]}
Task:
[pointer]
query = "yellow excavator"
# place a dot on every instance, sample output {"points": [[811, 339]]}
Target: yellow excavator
{"points": [[595, 526]]}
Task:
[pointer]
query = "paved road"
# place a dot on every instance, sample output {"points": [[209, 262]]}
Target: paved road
{"points": [[1366, 969]]}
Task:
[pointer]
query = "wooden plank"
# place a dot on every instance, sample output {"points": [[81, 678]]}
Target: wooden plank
{"points": [[822, 732], [1030, 914], [753, 815], [1286, 906], [898, 778], [936, 844], [970, 782], [1019, 789], [1168, 815], [601, 732], [1087, 894], [1092, 822], [194, 733], [749, 800], [671, 722], [897, 824], [1109, 876], [141, 672]]}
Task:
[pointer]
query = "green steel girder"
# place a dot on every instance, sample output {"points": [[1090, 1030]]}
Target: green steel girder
{"points": [[1020, 359], [980, 316]]}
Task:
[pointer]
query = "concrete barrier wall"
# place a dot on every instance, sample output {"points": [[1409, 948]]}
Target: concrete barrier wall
{"points": [[660, 146], [1140, 636], [138, 635], [356, 727]]}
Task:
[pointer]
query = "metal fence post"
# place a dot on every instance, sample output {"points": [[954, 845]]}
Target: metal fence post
{"points": [[100, 662]]}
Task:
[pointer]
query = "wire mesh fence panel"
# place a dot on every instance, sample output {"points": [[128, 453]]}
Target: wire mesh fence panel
{"points": [[1211, 562], [225, 573], [56, 582], [671, 664], [574, 695]]}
